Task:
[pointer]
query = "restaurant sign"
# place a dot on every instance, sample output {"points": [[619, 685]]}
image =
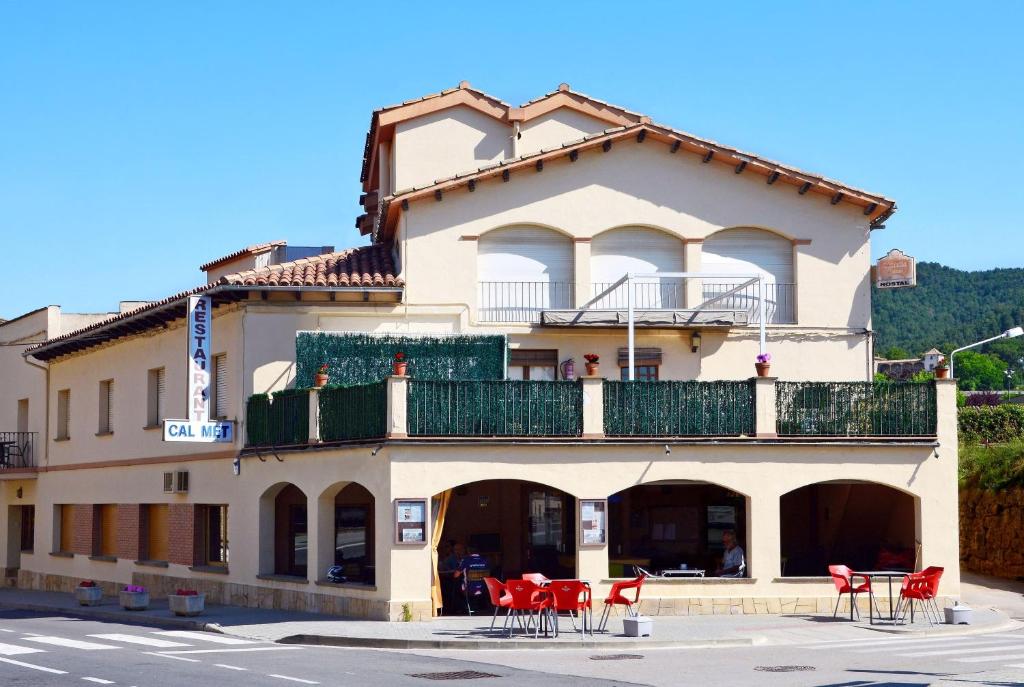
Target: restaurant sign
{"points": [[896, 270]]}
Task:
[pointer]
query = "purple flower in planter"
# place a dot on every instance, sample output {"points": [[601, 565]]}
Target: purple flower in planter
{"points": [[764, 358], [134, 588]]}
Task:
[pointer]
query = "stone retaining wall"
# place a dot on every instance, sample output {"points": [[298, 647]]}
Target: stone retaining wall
{"points": [[992, 532]]}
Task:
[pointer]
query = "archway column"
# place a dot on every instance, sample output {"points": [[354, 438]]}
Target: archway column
{"points": [[764, 558]]}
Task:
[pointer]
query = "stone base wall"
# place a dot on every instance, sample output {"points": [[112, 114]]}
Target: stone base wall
{"points": [[992, 532], [245, 595], [764, 605]]}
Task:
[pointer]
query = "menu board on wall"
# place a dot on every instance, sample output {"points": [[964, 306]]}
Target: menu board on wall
{"points": [[593, 522], [410, 521]]}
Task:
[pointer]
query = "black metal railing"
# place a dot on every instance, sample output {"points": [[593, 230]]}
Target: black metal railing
{"points": [[495, 408], [17, 450], [670, 408], [887, 409], [278, 419], [353, 412]]}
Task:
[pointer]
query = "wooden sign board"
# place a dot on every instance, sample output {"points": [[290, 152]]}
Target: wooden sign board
{"points": [[895, 271]]}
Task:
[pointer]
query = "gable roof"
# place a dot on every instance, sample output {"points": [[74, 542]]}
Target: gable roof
{"points": [[249, 250], [356, 268], [876, 207]]}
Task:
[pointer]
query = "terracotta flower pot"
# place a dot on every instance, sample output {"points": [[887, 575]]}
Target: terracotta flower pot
{"points": [[942, 373], [320, 380], [763, 369], [593, 369], [399, 368]]}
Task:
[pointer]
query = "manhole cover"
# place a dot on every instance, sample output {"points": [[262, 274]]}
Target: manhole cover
{"points": [[454, 675], [616, 657], [783, 669]]}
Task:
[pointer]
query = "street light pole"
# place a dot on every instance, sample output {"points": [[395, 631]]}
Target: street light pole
{"points": [[1008, 334]]}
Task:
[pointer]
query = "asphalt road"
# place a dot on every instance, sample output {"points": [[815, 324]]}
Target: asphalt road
{"points": [[36, 649]]}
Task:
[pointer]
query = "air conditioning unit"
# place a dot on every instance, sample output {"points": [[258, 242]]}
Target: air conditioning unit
{"points": [[176, 482]]}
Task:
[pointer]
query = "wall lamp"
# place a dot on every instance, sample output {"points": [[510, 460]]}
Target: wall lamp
{"points": [[694, 342]]}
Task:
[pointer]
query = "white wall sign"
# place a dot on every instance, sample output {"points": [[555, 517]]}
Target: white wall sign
{"points": [[199, 431], [199, 359]]}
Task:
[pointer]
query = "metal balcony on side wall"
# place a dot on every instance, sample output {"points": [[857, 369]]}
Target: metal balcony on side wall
{"points": [[17, 450]]}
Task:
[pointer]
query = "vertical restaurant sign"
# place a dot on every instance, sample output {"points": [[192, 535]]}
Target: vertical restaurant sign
{"points": [[199, 320], [896, 270]]}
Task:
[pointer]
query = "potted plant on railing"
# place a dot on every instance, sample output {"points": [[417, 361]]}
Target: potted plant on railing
{"points": [[321, 377], [942, 368], [134, 598], [399, 365], [763, 364], [186, 602], [88, 593], [593, 364]]}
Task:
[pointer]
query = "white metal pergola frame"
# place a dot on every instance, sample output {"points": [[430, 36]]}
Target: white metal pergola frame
{"points": [[628, 278]]}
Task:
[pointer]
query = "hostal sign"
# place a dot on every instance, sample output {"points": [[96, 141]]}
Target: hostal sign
{"points": [[198, 427], [896, 270]]}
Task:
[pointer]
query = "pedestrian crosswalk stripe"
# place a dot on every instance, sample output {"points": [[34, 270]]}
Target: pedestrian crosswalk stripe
{"points": [[12, 650], [136, 639], [33, 666], [204, 636], [225, 665], [232, 651], [958, 651], [983, 659], [71, 643], [293, 679], [98, 680], [176, 658], [981, 641]]}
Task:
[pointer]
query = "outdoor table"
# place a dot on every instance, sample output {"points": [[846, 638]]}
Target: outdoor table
{"points": [[890, 574]]}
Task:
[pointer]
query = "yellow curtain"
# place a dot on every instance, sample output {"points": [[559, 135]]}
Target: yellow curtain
{"points": [[439, 508]]}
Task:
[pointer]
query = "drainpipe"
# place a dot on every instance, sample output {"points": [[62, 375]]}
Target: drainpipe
{"points": [[516, 135], [45, 367]]}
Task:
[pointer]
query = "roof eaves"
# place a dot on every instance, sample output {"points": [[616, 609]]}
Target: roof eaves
{"points": [[254, 249]]}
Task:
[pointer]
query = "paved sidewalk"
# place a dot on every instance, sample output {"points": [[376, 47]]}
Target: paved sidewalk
{"points": [[474, 633]]}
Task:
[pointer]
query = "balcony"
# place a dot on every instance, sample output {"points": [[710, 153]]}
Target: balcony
{"points": [[521, 301], [17, 450], [748, 410]]}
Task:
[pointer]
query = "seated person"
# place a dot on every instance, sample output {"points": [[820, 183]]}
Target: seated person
{"points": [[449, 570], [734, 564]]}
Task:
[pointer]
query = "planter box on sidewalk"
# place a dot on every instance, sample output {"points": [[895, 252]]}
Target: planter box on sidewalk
{"points": [[134, 601], [187, 605], [89, 596]]}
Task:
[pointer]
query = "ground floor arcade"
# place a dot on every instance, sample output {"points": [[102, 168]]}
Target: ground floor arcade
{"points": [[354, 530]]}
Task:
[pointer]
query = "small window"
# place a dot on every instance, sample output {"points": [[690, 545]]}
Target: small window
{"points": [[644, 373], [534, 364], [106, 407], [646, 362], [156, 529], [219, 386], [66, 521], [108, 530], [214, 530], [156, 397], [64, 414]]}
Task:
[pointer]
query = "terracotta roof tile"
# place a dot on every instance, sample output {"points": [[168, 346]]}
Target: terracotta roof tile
{"points": [[366, 266], [248, 250]]}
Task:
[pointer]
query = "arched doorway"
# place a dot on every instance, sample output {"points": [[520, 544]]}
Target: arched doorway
{"points": [[639, 250], [671, 524], [283, 513], [748, 251], [864, 525], [521, 271], [516, 526], [347, 533]]}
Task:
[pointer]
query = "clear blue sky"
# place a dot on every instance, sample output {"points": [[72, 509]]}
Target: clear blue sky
{"points": [[138, 140]]}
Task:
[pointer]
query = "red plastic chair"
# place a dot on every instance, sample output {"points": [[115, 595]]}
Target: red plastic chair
{"points": [[500, 598], [537, 578], [924, 587], [573, 596], [529, 598], [617, 598], [842, 577]]}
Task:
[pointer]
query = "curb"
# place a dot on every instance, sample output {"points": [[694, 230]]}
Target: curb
{"points": [[126, 617], [488, 645], [1006, 624]]}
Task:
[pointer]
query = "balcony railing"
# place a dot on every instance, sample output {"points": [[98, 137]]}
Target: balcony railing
{"points": [[495, 409], [521, 301], [779, 301], [662, 294], [278, 419], [17, 450], [856, 409], [353, 412], [661, 409]]}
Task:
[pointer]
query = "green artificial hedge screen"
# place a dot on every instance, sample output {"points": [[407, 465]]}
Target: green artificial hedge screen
{"points": [[358, 358]]}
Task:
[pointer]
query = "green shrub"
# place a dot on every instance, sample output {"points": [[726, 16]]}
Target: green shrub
{"points": [[991, 424], [992, 467]]}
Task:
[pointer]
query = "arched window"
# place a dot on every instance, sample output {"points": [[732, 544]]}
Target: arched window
{"points": [[638, 250], [748, 252], [523, 270]]}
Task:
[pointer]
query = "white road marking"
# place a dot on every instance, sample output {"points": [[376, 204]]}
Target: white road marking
{"points": [[293, 679], [898, 643], [224, 665], [983, 659], [135, 639], [204, 636], [34, 666], [176, 658], [232, 651], [13, 650], [935, 644], [958, 651], [71, 643], [98, 680], [3, 630]]}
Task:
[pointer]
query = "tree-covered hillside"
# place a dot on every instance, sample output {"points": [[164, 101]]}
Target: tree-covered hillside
{"points": [[950, 308]]}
